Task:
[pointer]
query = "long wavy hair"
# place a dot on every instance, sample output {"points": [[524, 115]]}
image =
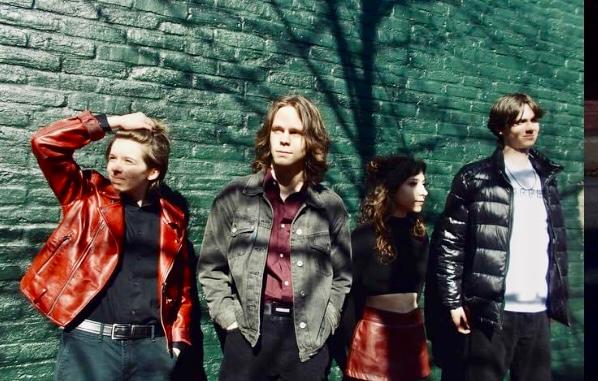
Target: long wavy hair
{"points": [[316, 138], [384, 176]]}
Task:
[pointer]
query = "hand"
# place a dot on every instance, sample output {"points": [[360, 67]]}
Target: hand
{"points": [[232, 326], [176, 352], [131, 121], [460, 320]]}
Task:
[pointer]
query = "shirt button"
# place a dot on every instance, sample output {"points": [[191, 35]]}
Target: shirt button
{"points": [[299, 231], [302, 293], [299, 263], [281, 255], [286, 282], [302, 325], [234, 230], [282, 226]]}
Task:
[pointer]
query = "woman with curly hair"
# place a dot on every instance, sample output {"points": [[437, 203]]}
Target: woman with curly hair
{"points": [[390, 250]]}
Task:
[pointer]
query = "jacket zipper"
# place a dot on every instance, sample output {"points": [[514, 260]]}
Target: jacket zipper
{"points": [[64, 239], [76, 265], [164, 284], [508, 256]]}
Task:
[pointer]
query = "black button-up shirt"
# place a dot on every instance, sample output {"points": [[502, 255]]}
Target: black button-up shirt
{"points": [[131, 296]]}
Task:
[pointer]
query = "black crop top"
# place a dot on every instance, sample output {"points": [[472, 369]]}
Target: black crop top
{"points": [[406, 273]]}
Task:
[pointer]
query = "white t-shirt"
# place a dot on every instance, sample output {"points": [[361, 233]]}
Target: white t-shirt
{"points": [[526, 283]]}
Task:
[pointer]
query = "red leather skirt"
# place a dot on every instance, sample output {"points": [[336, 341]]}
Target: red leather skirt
{"points": [[389, 346]]}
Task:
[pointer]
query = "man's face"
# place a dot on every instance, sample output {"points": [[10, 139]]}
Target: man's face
{"points": [[524, 132], [127, 170], [411, 195], [287, 142]]}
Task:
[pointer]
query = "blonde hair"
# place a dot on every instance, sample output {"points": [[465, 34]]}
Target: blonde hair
{"points": [[157, 147]]}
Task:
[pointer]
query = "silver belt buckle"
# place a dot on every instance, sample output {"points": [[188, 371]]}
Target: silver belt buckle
{"points": [[123, 335]]}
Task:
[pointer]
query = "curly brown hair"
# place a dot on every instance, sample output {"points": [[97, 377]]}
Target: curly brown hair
{"points": [[384, 176], [316, 138]]}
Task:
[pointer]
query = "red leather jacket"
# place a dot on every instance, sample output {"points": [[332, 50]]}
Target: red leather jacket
{"points": [[80, 256]]}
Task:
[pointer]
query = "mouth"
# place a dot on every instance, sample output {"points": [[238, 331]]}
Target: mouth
{"points": [[283, 152]]}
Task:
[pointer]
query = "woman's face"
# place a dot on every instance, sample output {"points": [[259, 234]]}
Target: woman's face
{"points": [[411, 195]]}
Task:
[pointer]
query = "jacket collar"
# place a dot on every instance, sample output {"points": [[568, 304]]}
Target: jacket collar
{"points": [[255, 186], [545, 167]]}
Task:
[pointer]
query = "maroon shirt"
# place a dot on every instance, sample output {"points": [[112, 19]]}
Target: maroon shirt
{"points": [[279, 286]]}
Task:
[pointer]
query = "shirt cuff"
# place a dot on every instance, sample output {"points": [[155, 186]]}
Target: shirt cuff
{"points": [[103, 120], [180, 345]]}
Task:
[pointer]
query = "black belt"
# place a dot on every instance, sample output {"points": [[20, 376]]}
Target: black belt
{"points": [[278, 309], [120, 331]]}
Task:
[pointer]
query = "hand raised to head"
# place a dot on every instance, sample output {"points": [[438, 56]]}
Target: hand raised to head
{"points": [[131, 121]]}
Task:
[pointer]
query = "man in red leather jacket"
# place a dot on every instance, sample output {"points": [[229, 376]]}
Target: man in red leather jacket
{"points": [[115, 273]]}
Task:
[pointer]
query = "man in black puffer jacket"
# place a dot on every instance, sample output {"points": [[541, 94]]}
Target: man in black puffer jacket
{"points": [[498, 257]]}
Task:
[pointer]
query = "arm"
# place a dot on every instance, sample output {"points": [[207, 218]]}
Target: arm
{"points": [[340, 254], [181, 328], [212, 266], [449, 244], [55, 144]]}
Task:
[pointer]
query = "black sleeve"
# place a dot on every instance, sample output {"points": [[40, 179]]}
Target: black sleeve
{"points": [[103, 120]]}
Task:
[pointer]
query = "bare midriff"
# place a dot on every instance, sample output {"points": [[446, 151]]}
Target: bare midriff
{"points": [[400, 303]]}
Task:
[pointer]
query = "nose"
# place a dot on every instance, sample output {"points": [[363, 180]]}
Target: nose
{"points": [[285, 138], [423, 191]]}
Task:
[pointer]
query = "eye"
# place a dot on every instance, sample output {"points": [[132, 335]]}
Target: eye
{"points": [[534, 120]]}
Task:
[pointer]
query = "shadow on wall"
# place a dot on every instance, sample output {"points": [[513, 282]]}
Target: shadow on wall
{"points": [[444, 80]]}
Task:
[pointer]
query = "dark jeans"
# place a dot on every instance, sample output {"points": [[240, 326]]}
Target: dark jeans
{"points": [[275, 357], [88, 356], [521, 346]]}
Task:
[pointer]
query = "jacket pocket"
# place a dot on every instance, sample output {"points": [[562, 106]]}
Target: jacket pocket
{"points": [[62, 243], [242, 236], [320, 249]]}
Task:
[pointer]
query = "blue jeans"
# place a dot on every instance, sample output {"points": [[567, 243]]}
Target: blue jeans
{"points": [[88, 356]]}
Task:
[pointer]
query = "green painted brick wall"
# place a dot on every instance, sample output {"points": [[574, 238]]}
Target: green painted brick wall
{"points": [[389, 76]]}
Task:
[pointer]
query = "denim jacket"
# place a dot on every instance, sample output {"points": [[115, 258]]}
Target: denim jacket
{"points": [[233, 256]]}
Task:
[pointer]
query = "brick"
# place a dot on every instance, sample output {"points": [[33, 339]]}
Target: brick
{"points": [[154, 39], [173, 28], [12, 74], [12, 36], [164, 76], [72, 8], [162, 110], [120, 16], [29, 58], [176, 9], [62, 44], [100, 103], [62, 81], [228, 21], [95, 68], [13, 115], [242, 40], [127, 54], [251, 73], [130, 88], [31, 95], [186, 63], [28, 18], [93, 31], [19, 3], [122, 3]]}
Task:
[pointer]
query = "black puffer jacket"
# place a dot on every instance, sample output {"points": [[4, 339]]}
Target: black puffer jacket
{"points": [[471, 248]]}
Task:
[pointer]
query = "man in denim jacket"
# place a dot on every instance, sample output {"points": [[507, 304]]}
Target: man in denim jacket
{"points": [[276, 253]]}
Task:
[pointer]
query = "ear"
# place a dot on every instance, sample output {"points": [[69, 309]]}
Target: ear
{"points": [[154, 173]]}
